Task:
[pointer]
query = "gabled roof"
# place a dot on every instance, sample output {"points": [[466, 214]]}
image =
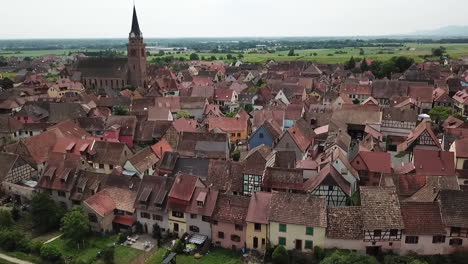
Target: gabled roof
{"points": [[8, 161], [298, 209], [380, 208], [434, 184], [208, 197], [377, 161], [225, 175], [227, 124], [144, 160], [422, 218], [9, 125], [328, 175], [416, 133], [161, 147]]}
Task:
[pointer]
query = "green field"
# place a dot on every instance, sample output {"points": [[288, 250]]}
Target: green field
{"points": [[38, 53], [412, 50], [215, 256]]}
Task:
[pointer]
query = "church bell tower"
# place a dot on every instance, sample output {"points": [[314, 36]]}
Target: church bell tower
{"points": [[136, 54]]}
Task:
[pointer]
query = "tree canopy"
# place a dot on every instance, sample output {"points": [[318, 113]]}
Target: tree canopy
{"points": [[280, 255], [6, 220], [344, 257], [46, 213], [194, 56], [75, 225], [439, 113]]}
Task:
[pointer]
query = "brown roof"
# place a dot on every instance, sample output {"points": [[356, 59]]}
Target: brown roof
{"points": [[260, 116], [283, 178], [258, 207], [432, 187], [397, 114], [225, 175], [101, 203], [144, 159], [328, 175], [206, 195], [345, 223], [201, 144], [380, 208], [183, 187], [298, 209], [227, 124], [461, 148], [110, 153], [8, 161], [231, 208], [416, 133], [454, 208], [153, 192], [9, 125], [422, 218], [127, 124], [377, 161]]}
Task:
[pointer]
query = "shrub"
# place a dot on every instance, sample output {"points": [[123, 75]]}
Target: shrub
{"points": [[6, 220], [178, 247], [50, 253], [35, 247], [108, 255], [12, 240], [280, 256]]}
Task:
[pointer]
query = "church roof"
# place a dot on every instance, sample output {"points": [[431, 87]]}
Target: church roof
{"points": [[135, 26]]}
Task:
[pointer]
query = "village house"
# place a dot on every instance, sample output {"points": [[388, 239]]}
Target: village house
{"points": [[398, 122], [257, 221], [142, 163], [226, 98], [179, 199], [200, 210], [225, 176], [65, 87], [255, 162], [454, 210], [299, 138], [237, 128], [267, 134], [228, 226], [461, 102], [105, 156], [355, 91], [381, 216], [201, 144], [297, 221], [17, 177], [372, 166], [282, 179], [345, 228], [151, 202]]}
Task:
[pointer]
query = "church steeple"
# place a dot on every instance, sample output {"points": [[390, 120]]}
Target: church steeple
{"points": [[135, 32], [136, 54]]}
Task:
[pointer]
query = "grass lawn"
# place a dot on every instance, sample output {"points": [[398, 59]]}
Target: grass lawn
{"points": [[22, 256], [215, 256], [2, 261], [123, 255]]}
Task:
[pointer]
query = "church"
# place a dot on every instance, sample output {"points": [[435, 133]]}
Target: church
{"points": [[99, 73]]}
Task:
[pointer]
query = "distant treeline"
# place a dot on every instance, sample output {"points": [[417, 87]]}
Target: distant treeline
{"points": [[222, 45]]}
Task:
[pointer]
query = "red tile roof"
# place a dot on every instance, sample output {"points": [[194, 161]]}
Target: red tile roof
{"points": [[183, 187], [377, 161], [258, 208], [223, 94], [101, 203], [227, 124], [461, 148], [434, 162], [161, 147], [416, 133], [231, 208], [299, 138], [422, 219], [126, 220], [184, 125]]}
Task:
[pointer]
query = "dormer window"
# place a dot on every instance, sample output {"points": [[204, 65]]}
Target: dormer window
{"points": [[201, 198]]}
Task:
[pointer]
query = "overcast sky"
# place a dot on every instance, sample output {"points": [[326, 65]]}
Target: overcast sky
{"points": [[225, 18]]}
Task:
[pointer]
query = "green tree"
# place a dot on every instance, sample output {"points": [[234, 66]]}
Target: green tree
{"points": [[183, 114], [438, 52], [291, 52], [213, 57], [50, 253], [315, 54], [6, 221], [46, 214], [161, 53], [108, 255], [75, 225], [280, 255], [120, 110], [157, 232], [349, 257], [439, 114], [364, 66], [229, 57], [248, 108], [361, 52], [351, 64], [235, 155], [402, 63], [178, 247], [194, 56]]}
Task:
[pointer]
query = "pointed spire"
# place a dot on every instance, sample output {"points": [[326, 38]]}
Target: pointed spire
{"points": [[135, 26]]}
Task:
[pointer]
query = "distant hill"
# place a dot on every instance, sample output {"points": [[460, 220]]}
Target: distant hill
{"points": [[448, 31]]}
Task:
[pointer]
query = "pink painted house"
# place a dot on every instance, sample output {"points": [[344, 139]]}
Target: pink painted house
{"points": [[228, 226]]}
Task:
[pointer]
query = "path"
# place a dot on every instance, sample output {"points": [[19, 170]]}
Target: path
{"points": [[52, 239], [14, 260]]}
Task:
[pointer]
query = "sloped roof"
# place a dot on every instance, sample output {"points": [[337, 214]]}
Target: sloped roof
{"points": [[183, 187], [258, 207], [454, 208], [345, 223], [377, 161], [422, 218], [416, 133], [144, 159], [380, 208], [283, 178], [231, 208], [328, 176], [433, 162], [298, 209]]}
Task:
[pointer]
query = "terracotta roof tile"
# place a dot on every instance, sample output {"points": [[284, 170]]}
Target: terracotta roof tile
{"points": [[258, 207], [422, 218], [345, 223], [380, 208]]}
